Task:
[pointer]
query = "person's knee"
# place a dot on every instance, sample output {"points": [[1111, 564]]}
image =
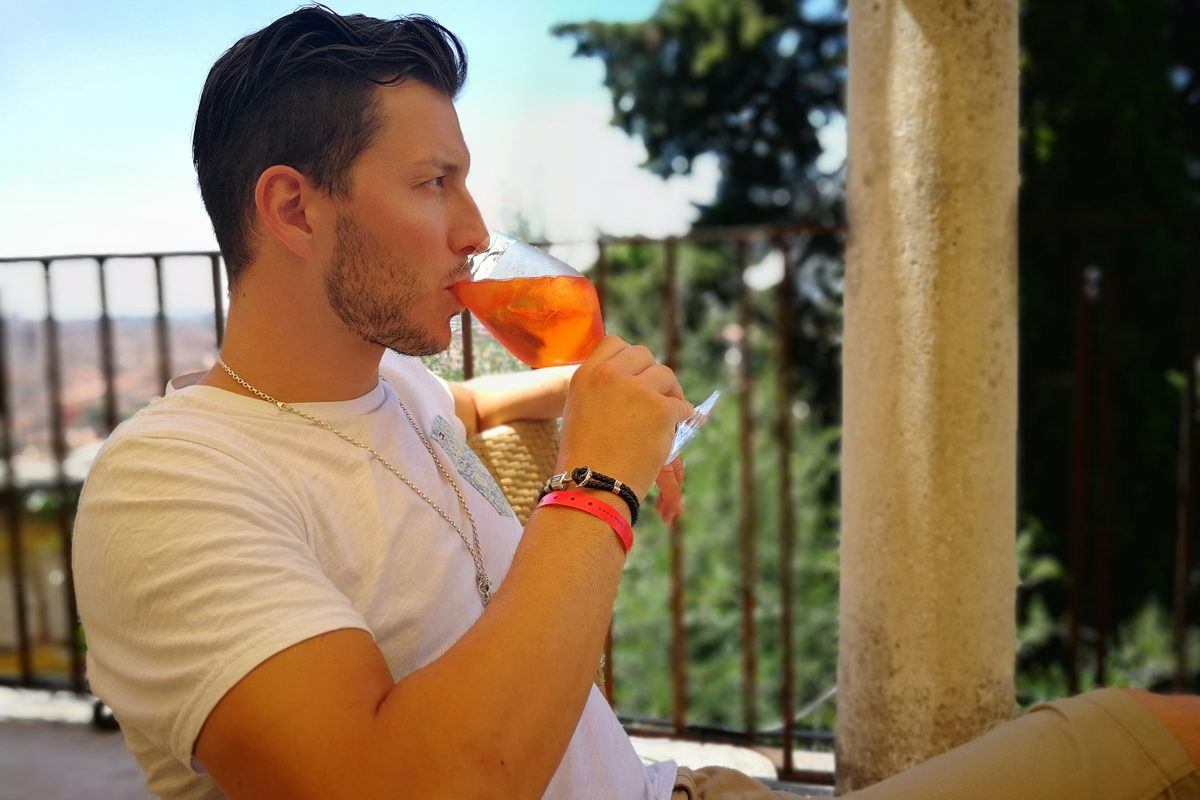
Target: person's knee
{"points": [[1179, 714]]}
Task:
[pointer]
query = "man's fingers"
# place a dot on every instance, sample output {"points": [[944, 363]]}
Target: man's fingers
{"points": [[608, 347], [682, 408], [676, 469], [662, 380], [670, 491], [633, 359]]}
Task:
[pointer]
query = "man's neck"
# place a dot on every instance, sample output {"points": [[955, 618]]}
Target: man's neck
{"points": [[290, 346]]}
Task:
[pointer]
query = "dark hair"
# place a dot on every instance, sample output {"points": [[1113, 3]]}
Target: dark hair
{"points": [[301, 92]]}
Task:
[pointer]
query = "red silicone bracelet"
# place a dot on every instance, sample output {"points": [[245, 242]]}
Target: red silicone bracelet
{"points": [[597, 508]]}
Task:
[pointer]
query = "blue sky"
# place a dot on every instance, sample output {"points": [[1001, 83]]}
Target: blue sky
{"points": [[98, 98]]}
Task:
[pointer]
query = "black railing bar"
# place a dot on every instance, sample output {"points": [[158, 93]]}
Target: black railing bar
{"points": [[109, 256], [161, 329], [107, 357], [12, 510], [218, 300], [58, 446]]}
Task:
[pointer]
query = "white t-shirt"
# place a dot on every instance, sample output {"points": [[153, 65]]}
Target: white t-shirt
{"points": [[216, 530]]}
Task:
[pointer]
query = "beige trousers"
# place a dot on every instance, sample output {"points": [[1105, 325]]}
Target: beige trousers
{"points": [[1103, 745]]}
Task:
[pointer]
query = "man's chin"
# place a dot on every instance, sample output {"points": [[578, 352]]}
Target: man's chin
{"points": [[418, 346]]}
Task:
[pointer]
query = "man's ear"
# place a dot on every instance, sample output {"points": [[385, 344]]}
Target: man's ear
{"points": [[288, 207]]}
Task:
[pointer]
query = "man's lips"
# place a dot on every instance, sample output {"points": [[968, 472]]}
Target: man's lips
{"points": [[466, 276]]}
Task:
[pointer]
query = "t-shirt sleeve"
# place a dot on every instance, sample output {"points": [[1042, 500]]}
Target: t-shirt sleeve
{"points": [[191, 569]]}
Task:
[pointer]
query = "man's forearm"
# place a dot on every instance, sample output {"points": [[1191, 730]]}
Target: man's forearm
{"points": [[492, 716], [510, 693], [492, 400]]}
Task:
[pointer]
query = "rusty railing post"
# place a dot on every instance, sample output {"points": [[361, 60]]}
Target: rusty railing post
{"points": [[787, 509], [679, 685], [748, 520]]}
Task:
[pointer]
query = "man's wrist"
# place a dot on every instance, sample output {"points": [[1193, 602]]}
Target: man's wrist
{"points": [[586, 478], [595, 507], [608, 497]]}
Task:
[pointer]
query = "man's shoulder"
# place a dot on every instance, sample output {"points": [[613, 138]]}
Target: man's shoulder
{"points": [[181, 421]]}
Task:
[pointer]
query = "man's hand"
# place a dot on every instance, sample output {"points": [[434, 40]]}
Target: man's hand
{"points": [[670, 491], [620, 416]]}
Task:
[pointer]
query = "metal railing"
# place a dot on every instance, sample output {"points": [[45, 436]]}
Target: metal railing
{"points": [[58, 485], [779, 744]]}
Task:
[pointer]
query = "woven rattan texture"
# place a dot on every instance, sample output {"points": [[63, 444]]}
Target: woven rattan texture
{"points": [[521, 456]]}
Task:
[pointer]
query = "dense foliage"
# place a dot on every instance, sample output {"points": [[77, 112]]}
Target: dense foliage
{"points": [[751, 84], [1110, 193], [1110, 149]]}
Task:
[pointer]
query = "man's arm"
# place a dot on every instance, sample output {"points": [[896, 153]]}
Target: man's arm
{"points": [[494, 714], [324, 719], [492, 400]]}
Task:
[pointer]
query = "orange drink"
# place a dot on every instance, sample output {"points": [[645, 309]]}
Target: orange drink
{"points": [[543, 321]]}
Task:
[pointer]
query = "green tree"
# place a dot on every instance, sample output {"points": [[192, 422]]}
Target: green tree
{"points": [[710, 540], [1110, 147], [1110, 157], [751, 83]]}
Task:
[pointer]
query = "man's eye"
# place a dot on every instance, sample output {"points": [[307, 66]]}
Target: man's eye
{"points": [[438, 181]]}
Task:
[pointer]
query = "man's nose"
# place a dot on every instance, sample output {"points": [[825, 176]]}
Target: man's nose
{"points": [[471, 234]]}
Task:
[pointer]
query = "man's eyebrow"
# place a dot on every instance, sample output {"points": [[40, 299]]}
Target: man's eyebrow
{"points": [[441, 164]]}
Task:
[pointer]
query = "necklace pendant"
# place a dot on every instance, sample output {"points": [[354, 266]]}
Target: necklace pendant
{"points": [[485, 590]]}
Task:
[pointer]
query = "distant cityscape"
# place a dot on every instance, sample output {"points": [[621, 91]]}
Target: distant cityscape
{"points": [[137, 380]]}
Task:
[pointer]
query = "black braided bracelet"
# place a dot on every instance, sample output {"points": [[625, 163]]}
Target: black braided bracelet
{"points": [[584, 478]]}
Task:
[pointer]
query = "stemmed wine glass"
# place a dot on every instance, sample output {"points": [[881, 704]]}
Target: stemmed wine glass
{"points": [[545, 313]]}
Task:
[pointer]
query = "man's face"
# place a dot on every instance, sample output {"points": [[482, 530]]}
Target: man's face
{"points": [[404, 233]]}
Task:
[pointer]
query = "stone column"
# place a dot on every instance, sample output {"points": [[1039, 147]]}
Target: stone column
{"points": [[928, 564]]}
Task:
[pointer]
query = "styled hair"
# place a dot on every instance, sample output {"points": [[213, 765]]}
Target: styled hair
{"points": [[301, 92]]}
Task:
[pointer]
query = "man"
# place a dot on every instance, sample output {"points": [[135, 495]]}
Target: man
{"points": [[271, 609], [295, 580]]}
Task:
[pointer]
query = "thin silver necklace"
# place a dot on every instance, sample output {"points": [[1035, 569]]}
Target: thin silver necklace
{"points": [[482, 582]]}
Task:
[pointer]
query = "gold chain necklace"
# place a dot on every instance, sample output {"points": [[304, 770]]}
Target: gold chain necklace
{"points": [[482, 582]]}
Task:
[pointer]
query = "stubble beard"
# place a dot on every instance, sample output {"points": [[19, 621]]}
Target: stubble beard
{"points": [[373, 298]]}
